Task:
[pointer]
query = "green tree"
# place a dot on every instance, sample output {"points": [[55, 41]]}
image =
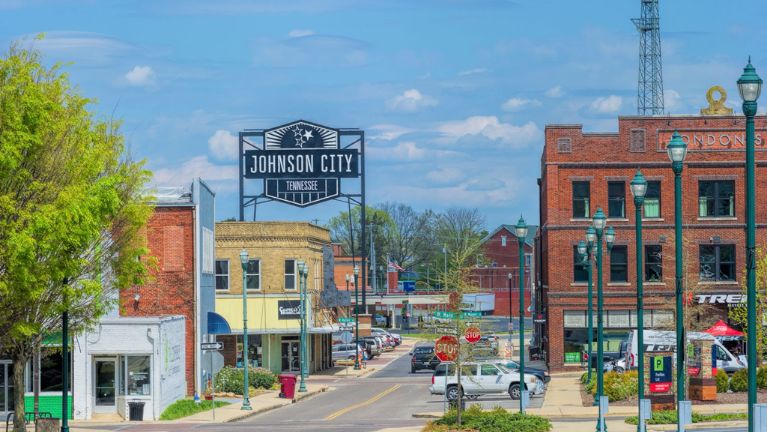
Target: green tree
{"points": [[379, 225], [739, 313], [71, 208]]}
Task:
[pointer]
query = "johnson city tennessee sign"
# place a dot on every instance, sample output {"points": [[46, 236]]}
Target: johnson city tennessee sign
{"points": [[301, 163]]}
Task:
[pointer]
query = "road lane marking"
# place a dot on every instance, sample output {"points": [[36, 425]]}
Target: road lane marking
{"points": [[362, 404]]}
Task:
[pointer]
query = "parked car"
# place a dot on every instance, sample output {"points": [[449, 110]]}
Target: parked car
{"points": [[480, 378], [422, 357], [377, 331], [615, 365], [542, 374], [345, 351], [373, 346], [484, 348]]}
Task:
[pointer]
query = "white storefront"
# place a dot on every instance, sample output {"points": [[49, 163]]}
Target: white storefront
{"points": [[129, 359]]}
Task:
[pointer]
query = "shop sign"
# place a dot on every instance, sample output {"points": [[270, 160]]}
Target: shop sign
{"points": [[302, 163], [728, 299], [712, 139], [661, 374], [288, 309]]}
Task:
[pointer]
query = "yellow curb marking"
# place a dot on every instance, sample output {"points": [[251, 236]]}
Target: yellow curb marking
{"points": [[362, 404]]}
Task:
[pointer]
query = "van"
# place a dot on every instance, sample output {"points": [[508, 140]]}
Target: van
{"points": [[660, 341]]}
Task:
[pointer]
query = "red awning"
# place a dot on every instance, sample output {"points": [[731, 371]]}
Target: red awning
{"points": [[722, 329]]}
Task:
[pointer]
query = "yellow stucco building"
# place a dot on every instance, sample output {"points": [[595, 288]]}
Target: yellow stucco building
{"points": [[272, 279]]}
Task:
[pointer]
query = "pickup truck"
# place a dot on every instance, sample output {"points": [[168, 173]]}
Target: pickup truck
{"points": [[481, 378]]}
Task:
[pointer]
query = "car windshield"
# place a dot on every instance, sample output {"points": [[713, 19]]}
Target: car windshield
{"points": [[423, 350]]}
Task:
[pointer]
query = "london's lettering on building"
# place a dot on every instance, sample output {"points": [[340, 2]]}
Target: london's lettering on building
{"points": [[711, 140], [302, 163]]}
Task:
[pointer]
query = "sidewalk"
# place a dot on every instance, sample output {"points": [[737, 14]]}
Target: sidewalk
{"points": [[261, 403]]}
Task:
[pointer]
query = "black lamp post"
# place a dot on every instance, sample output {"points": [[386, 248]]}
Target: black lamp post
{"points": [[521, 231], [638, 189]]}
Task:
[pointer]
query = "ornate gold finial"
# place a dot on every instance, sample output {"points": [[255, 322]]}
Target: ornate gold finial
{"points": [[716, 106]]}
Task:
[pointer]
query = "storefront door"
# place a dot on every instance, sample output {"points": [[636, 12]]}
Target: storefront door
{"points": [[105, 385], [291, 356], [6, 387]]}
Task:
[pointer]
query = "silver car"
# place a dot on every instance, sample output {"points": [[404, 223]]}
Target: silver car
{"points": [[344, 352]]}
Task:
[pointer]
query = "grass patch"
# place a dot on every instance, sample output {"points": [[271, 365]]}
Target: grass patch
{"points": [[423, 336], [186, 407], [495, 420], [669, 417]]}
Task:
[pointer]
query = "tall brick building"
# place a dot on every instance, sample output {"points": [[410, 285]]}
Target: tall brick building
{"points": [[180, 236], [583, 171]]}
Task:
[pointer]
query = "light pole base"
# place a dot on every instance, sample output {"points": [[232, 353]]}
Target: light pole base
{"points": [[246, 406], [684, 415], [603, 409]]}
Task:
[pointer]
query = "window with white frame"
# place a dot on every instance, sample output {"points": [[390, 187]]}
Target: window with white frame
{"points": [[222, 275], [253, 274], [290, 274]]}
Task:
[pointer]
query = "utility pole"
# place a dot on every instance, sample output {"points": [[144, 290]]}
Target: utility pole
{"points": [[373, 259]]}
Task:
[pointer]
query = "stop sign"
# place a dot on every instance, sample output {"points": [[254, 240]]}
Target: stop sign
{"points": [[446, 348], [472, 334]]}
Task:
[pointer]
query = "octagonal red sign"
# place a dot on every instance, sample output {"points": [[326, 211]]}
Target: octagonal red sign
{"points": [[446, 348], [472, 334]]}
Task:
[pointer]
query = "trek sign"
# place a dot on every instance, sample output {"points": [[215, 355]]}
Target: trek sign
{"points": [[302, 163]]}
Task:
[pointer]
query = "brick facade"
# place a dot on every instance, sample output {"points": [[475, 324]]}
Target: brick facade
{"points": [[715, 153], [501, 258], [170, 238]]}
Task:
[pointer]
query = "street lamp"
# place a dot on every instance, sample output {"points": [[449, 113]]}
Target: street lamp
{"points": [[750, 86], [584, 252], [599, 222], [246, 386], [303, 271], [521, 231], [638, 189], [511, 322], [677, 150], [65, 361], [356, 317], [347, 284]]}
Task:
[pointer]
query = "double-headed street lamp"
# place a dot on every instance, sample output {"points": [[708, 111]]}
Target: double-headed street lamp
{"points": [[521, 231], [677, 150], [356, 318], [750, 86], [303, 272], [599, 222], [245, 384], [638, 189]]}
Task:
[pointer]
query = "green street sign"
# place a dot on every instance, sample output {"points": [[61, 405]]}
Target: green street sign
{"points": [[471, 314], [444, 315], [346, 320]]}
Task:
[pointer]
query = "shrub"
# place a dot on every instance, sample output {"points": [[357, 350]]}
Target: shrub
{"points": [[620, 387], [229, 379], [261, 378], [186, 407], [495, 420], [669, 417], [739, 381], [722, 381], [590, 386], [761, 378]]}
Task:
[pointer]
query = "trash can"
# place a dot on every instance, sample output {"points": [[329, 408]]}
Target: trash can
{"points": [[287, 386], [135, 411]]}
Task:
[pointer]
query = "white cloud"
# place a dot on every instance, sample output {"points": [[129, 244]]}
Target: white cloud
{"points": [[445, 176], [475, 71], [387, 132], [140, 76], [411, 100], [607, 105], [296, 33], [404, 151], [555, 92], [518, 104], [224, 145], [672, 100], [490, 127], [223, 176]]}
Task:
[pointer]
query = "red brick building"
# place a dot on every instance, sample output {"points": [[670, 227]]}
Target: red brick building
{"points": [[180, 237], [501, 258], [584, 171]]}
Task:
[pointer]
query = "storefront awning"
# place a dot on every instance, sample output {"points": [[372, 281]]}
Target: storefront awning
{"points": [[218, 324]]}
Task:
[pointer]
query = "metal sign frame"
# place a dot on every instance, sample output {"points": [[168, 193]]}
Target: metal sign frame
{"points": [[347, 139]]}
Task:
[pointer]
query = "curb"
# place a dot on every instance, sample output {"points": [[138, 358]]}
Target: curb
{"points": [[273, 407], [426, 416], [699, 426]]}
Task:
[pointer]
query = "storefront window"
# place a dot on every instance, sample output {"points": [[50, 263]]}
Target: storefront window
{"points": [[138, 368], [51, 378]]}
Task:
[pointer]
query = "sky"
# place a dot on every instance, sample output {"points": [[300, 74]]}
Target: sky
{"points": [[453, 95]]}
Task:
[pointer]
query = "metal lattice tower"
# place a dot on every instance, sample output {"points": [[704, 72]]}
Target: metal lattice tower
{"points": [[650, 88]]}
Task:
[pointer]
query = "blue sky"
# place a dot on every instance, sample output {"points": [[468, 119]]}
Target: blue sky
{"points": [[453, 95]]}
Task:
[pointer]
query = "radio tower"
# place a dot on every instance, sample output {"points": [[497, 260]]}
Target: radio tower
{"points": [[650, 89]]}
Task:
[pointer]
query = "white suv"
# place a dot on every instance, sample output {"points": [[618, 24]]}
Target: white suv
{"points": [[480, 378]]}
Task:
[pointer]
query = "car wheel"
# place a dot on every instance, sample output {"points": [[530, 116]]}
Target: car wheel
{"points": [[452, 393], [619, 370], [514, 392], [351, 357]]}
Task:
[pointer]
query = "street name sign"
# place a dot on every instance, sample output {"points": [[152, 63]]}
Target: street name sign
{"points": [[212, 346], [346, 320], [471, 314], [444, 315]]}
